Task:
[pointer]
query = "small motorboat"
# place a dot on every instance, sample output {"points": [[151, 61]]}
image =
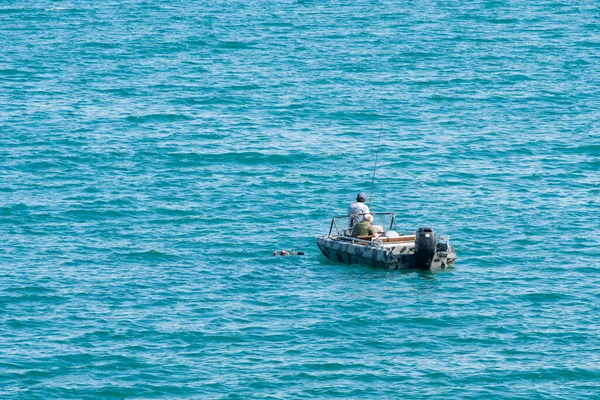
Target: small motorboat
{"points": [[390, 250]]}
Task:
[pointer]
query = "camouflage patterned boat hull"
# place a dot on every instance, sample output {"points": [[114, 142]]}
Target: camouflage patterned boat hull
{"points": [[392, 256]]}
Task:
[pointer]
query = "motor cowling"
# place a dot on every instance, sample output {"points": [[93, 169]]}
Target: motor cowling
{"points": [[425, 244]]}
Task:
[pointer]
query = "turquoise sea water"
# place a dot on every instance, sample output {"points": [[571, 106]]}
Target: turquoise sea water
{"points": [[153, 155]]}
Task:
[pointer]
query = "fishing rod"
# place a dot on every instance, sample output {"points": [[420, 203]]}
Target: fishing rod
{"points": [[375, 168]]}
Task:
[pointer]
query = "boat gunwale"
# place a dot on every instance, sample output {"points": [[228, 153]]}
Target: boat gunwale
{"points": [[339, 217]]}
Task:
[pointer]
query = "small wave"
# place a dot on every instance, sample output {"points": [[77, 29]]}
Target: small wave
{"points": [[442, 98], [191, 217], [588, 43], [14, 71], [29, 294], [91, 189], [12, 208], [195, 43], [250, 158], [25, 290], [278, 24], [236, 45], [503, 21], [212, 100], [14, 10], [544, 297], [158, 118], [588, 148], [250, 86], [101, 45], [124, 91], [92, 214], [58, 8], [150, 255]]}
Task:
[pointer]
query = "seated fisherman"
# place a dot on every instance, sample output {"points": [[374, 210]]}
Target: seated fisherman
{"points": [[365, 228], [356, 209]]}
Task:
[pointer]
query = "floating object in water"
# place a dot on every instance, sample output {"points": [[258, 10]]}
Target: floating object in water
{"points": [[390, 250], [288, 253]]}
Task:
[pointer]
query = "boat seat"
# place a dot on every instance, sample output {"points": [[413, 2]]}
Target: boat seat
{"points": [[398, 239]]}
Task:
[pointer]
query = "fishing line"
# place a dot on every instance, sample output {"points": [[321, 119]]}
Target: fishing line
{"points": [[375, 168]]}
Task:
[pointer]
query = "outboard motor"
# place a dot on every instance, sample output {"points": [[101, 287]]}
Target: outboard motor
{"points": [[425, 245]]}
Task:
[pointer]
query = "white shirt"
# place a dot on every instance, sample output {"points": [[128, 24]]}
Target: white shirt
{"points": [[357, 208]]}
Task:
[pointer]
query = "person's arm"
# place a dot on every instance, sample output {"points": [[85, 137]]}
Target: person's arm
{"points": [[373, 232]]}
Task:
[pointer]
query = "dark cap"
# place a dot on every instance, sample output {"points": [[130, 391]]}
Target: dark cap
{"points": [[361, 197]]}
